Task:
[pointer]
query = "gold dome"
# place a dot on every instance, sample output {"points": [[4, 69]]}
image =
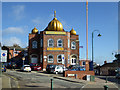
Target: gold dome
{"points": [[73, 32], [35, 31], [55, 25]]}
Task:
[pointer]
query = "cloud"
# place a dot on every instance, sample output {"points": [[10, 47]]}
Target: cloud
{"points": [[12, 40], [36, 20], [11, 30], [18, 11]]}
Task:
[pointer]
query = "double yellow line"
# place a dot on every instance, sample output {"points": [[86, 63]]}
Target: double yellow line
{"points": [[14, 79]]}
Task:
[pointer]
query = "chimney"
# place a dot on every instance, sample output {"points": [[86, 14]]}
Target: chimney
{"points": [[105, 62]]}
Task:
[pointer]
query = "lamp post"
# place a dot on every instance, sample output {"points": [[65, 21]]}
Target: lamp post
{"points": [[92, 44], [23, 60]]}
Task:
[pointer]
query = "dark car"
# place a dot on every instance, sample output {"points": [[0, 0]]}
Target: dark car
{"points": [[49, 67], [3, 68], [11, 65], [35, 67]]}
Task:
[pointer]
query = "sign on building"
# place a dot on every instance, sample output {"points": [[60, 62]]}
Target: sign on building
{"points": [[63, 59], [3, 55]]}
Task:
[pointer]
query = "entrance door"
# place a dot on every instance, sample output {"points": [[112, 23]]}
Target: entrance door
{"points": [[73, 60], [33, 60]]}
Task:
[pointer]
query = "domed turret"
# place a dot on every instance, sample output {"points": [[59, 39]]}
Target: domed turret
{"points": [[73, 32], [55, 25], [35, 31]]}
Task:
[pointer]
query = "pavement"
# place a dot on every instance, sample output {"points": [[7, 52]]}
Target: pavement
{"points": [[98, 83]]}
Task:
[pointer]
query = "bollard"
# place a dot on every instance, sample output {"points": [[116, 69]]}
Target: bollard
{"points": [[51, 84], [106, 79], [105, 87]]}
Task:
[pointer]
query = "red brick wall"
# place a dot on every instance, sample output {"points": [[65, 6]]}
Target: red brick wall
{"points": [[80, 74]]}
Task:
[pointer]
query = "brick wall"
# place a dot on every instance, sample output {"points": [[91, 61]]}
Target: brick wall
{"points": [[80, 74]]}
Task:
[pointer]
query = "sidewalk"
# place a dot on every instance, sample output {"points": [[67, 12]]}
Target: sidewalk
{"points": [[5, 82]]}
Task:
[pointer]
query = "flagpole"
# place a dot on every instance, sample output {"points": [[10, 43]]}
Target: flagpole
{"points": [[86, 29]]}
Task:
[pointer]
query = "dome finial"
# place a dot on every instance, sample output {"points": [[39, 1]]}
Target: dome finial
{"points": [[54, 14]]}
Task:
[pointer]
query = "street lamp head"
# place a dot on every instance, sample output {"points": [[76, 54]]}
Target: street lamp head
{"points": [[99, 35]]}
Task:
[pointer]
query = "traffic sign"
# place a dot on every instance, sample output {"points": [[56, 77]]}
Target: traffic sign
{"points": [[3, 55]]}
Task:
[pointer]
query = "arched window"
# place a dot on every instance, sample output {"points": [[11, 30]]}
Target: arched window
{"points": [[50, 58], [50, 43], [59, 58], [73, 45], [59, 43], [34, 44]]}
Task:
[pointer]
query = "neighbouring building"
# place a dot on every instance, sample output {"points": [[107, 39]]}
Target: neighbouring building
{"points": [[54, 45]]}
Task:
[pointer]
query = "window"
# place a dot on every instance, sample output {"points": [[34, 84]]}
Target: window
{"points": [[59, 43], [50, 59], [41, 42], [50, 43], [73, 45], [68, 43], [83, 63], [34, 44], [59, 58]]}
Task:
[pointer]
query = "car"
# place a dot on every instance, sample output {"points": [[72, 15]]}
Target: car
{"points": [[36, 67], [49, 67], [117, 76], [3, 68], [77, 68], [26, 68], [57, 69]]}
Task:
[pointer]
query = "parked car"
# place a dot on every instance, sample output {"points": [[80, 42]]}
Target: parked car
{"points": [[3, 68], [49, 67], [26, 68], [77, 68], [35, 67], [11, 65], [57, 69], [117, 76]]}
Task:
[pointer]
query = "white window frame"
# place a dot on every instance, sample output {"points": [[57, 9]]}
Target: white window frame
{"points": [[68, 43], [49, 43], [52, 60], [73, 45], [58, 59], [82, 63], [34, 44], [59, 43]]}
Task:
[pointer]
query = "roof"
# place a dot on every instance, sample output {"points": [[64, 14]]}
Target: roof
{"points": [[109, 65]]}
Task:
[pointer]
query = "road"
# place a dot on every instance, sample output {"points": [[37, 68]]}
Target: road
{"points": [[36, 80]]}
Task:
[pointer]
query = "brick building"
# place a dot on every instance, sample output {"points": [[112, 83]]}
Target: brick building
{"points": [[54, 45]]}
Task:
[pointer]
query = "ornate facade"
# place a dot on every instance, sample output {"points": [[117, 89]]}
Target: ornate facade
{"points": [[54, 45]]}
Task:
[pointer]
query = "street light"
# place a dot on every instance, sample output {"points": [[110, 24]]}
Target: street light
{"points": [[23, 60], [92, 44]]}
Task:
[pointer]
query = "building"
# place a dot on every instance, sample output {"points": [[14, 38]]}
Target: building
{"points": [[54, 45]]}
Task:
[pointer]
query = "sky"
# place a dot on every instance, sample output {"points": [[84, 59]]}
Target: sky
{"points": [[19, 18]]}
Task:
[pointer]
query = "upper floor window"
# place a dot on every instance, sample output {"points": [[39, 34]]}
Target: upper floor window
{"points": [[59, 43], [73, 45], [50, 43], [50, 58], [34, 44]]}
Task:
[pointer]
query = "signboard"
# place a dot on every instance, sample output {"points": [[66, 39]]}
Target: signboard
{"points": [[56, 48], [63, 59], [55, 32], [3, 55], [70, 74]]}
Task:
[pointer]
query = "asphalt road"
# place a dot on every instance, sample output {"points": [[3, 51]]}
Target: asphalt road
{"points": [[36, 80]]}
